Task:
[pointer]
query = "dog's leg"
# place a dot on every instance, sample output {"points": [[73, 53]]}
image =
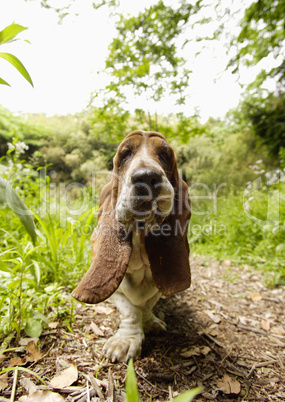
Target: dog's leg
{"points": [[127, 341], [151, 323]]}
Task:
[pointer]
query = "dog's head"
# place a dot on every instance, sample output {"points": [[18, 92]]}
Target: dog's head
{"points": [[145, 179], [145, 188]]}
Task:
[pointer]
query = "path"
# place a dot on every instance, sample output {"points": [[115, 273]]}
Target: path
{"points": [[227, 334]]}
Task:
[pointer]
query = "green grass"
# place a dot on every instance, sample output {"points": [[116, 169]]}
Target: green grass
{"points": [[244, 236], [36, 278]]}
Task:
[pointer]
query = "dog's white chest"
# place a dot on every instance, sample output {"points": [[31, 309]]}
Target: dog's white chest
{"points": [[138, 284]]}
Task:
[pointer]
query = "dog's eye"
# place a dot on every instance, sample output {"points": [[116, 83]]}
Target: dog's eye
{"points": [[126, 154], [164, 156]]}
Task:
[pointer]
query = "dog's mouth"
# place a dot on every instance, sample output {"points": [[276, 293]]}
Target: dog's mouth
{"points": [[147, 204], [144, 209]]}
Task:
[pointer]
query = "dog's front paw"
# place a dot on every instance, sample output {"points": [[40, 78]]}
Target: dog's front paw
{"points": [[121, 348]]}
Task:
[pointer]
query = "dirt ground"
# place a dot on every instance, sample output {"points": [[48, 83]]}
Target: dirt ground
{"points": [[225, 334]]}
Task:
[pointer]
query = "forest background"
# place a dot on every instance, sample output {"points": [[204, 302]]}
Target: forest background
{"points": [[234, 166]]}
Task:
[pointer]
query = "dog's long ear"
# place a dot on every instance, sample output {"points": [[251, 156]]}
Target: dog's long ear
{"points": [[111, 249], [168, 249]]}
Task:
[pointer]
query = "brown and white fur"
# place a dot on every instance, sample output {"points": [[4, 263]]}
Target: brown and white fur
{"points": [[139, 247]]}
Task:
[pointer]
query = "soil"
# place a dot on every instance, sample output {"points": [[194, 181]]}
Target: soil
{"points": [[225, 334]]}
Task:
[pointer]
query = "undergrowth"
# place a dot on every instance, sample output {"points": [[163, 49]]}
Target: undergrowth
{"points": [[36, 279], [246, 226]]}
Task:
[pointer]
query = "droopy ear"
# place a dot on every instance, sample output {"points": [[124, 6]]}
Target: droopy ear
{"points": [[168, 249], [111, 249]]}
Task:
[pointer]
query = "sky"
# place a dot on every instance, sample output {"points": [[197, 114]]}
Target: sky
{"points": [[66, 61]]}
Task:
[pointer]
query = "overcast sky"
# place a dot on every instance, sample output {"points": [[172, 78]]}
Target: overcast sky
{"points": [[64, 62]]}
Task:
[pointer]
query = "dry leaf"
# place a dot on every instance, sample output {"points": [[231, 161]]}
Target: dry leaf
{"points": [[53, 325], [66, 378], [97, 331], [29, 386], [16, 361], [265, 324], [43, 396], [205, 350], [103, 309], [213, 332], [229, 385], [34, 352], [244, 320], [2, 358], [218, 284], [213, 317], [196, 351], [255, 296], [61, 364], [278, 330], [3, 381], [25, 341]]}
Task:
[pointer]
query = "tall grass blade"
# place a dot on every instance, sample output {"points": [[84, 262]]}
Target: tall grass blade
{"points": [[8, 195]]}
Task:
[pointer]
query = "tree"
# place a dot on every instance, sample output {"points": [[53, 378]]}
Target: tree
{"points": [[144, 59], [262, 34], [65, 8], [267, 117], [144, 55]]}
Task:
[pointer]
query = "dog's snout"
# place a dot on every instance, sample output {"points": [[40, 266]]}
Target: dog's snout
{"points": [[147, 178]]}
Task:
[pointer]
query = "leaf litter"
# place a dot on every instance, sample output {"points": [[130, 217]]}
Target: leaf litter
{"points": [[226, 334]]}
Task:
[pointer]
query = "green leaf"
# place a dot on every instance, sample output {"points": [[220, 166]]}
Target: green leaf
{"points": [[10, 32], [3, 82], [36, 271], [33, 328], [132, 393], [18, 65], [9, 195], [188, 396]]}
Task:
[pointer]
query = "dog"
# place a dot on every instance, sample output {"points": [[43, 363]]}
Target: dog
{"points": [[139, 247]]}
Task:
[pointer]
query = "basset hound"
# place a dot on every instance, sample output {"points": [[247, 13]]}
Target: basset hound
{"points": [[139, 247]]}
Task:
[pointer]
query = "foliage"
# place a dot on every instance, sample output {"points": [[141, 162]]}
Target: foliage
{"points": [[8, 35], [239, 227], [267, 117], [110, 121], [9, 195], [34, 134], [220, 162], [132, 393], [65, 8], [262, 34], [144, 54], [33, 277]]}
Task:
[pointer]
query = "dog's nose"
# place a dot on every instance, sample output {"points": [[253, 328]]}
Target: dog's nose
{"points": [[147, 180]]}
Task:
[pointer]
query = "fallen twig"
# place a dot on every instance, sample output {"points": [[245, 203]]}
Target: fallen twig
{"points": [[257, 331], [213, 340], [15, 379], [170, 393], [258, 365], [94, 384], [111, 387]]}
